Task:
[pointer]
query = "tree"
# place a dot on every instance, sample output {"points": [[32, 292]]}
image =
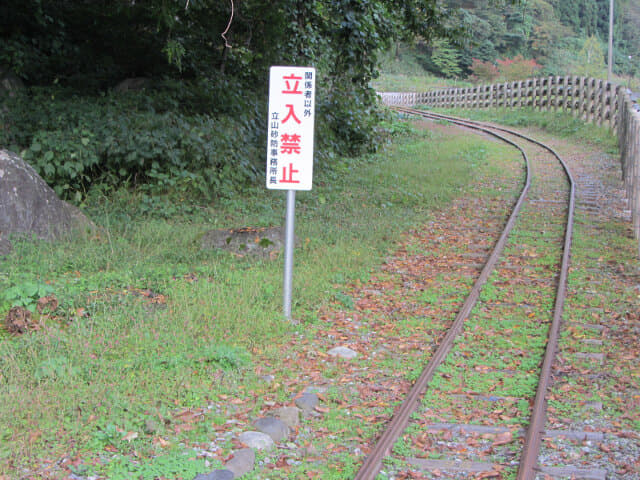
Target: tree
{"points": [[91, 45], [445, 58], [590, 61]]}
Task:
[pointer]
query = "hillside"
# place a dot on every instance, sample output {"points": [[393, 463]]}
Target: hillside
{"points": [[556, 36]]}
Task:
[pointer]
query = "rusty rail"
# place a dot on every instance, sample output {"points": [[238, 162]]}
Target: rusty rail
{"points": [[399, 421]]}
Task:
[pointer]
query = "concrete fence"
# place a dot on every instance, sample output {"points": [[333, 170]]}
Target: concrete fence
{"points": [[593, 100]]}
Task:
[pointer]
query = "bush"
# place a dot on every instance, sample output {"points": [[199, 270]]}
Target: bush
{"points": [[517, 68], [485, 72], [156, 138]]}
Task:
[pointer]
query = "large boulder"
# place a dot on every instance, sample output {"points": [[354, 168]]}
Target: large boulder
{"points": [[28, 206]]}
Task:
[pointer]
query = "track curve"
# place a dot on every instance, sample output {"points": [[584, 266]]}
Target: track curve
{"points": [[400, 420]]}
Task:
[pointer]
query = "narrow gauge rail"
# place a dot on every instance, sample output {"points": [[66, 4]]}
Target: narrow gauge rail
{"points": [[531, 446]]}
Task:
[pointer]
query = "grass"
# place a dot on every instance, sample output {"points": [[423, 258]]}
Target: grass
{"points": [[560, 124], [405, 73], [149, 324]]}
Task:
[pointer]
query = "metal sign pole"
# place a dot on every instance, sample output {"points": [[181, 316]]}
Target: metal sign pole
{"points": [[290, 148], [610, 55], [288, 252]]}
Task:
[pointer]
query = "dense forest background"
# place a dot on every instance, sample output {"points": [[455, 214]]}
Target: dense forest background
{"points": [[560, 36], [193, 120]]}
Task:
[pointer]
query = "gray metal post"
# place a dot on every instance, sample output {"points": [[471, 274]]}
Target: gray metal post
{"points": [[288, 252], [610, 56]]}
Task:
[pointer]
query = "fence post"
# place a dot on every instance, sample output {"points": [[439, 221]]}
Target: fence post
{"points": [[549, 93], [590, 94], [583, 97], [600, 99], [615, 106]]}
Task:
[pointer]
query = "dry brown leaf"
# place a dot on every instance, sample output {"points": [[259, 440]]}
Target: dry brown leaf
{"points": [[161, 442], [503, 438], [50, 303], [491, 474]]}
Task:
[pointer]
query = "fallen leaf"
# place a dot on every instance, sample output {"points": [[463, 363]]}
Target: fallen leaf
{"points": [[161, 442], [503, 438], [50, 303], [130, 436], [491, 474]]}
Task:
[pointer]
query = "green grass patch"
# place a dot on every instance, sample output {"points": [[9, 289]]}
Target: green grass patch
{"points": [[148, 323], [560, 124], [404, 71]]}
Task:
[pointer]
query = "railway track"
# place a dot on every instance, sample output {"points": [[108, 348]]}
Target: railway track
{"points": [[478, 408]]}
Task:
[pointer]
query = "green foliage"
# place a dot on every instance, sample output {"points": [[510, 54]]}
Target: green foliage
{"points": [[181, 138], [55, 368], [445, 58], [228, 357], [590, 61], [550, 31], [138, 138], [25, 294], [178, 463]]}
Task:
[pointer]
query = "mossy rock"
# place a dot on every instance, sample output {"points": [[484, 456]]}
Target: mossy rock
{"points": [[261, 242]]}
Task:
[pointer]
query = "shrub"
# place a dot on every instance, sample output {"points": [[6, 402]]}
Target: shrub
{"points": [[138, 138], [517, 68], [485, 72]]}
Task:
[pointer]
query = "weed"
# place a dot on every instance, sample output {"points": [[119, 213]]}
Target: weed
{"points": [[25, 294]]}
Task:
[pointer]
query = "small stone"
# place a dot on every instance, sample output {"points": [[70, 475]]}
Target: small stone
{"points": [[256, 440], [307, 402], [267, 378], [274, 427], [216, 475], [242, 462], [289, 415], [343, 352]]}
